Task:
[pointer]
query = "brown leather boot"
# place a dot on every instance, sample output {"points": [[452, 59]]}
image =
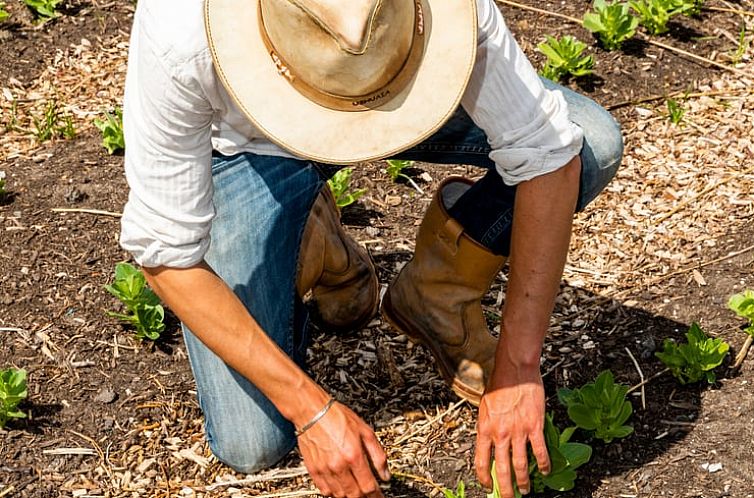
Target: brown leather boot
{"points": [[338, 272], [436, 299]]}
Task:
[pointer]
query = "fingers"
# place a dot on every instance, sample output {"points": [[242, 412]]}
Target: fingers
{"points": [[376, 455], [521, 465], [503, 468], [365, 481], [482, 459], [539, 448]]}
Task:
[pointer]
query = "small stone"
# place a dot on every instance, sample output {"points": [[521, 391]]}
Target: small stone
{"points": [[105, 396], [393, 200], [372, 231], [712, 467]]}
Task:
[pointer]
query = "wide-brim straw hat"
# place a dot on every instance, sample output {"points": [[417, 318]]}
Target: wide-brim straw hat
{"points": [[343, 81]]}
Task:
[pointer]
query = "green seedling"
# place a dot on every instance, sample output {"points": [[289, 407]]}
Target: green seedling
{"points": [[565, 458], [12, 392], [395, 169], [654, 15], [675, 111], [145, 313], [460, 491], [612, 23], [2, 185], [742, 48], [599, 407], [111, 128], [3, 13], [340, 185], [691, 7], [564, 58], [44, 9], [53, 124], [693, 361], [743, 305]]}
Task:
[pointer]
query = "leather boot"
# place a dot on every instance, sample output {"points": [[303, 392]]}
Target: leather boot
{"points": [[338, 272], [436, 298]]}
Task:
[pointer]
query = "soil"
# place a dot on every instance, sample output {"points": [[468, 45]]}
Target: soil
{"points": [[128, 408]]}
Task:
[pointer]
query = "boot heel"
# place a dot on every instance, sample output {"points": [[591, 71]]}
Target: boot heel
{"points": [[392, 318]]}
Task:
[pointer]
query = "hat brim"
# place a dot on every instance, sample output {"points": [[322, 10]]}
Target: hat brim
{"points": [[314, 132]]}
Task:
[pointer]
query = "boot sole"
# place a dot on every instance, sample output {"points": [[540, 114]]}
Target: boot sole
{"points": [[418, 337]]}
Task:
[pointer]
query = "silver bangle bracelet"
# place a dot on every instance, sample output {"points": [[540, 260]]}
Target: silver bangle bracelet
{"points": [[316, 417]]}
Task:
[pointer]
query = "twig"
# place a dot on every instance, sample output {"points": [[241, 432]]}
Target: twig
{"points": [[7, 490], [679, 93], [413, 184], [704, 192], [741, 356], [648, 380], [642, 37], [274, 475], [641, 376], [87, 211], [71, 451], [414, 477], [424, 427], [290, 494], [732, 11]]}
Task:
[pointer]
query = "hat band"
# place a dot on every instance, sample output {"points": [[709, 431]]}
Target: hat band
{"points": [[366, 102]]}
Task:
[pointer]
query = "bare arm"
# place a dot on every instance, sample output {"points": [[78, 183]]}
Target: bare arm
{"points": [[337, 447], [512, 409]]}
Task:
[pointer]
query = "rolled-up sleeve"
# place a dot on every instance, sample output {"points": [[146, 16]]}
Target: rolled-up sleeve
{"points": [[167, 124], [527, 126]]}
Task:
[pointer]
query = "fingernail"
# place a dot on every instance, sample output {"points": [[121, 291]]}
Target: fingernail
{"points": [[524, 491]]}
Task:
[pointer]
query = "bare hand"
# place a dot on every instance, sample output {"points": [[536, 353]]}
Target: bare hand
{"points": [[338, 451], [512, 413]]}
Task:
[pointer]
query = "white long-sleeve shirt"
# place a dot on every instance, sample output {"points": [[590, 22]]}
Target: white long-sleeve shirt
{"points": [[176, 111]]}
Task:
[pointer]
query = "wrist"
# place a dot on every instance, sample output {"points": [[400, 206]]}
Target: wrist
{"points": [[309, 400], [518, 354]]}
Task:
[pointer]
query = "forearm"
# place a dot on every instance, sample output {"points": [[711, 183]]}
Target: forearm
{"points": [[218, 318], [542, 221]]}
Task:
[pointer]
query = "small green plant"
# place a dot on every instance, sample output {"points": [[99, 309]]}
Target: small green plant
{"points": [[600, 407], [12, 392], [612, 23], [111, 128], [691, 7], [565, 458], [145, 313], [675, 111], [340, 185], [2, 185], [53, 124], [395, 169], [564, 58], [44, 9], [743, 305], [3, 13], [693, 361], [743, 46], [460, 491], [654, 15]]}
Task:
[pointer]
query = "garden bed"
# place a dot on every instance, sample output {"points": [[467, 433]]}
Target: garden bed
{"points": [[665, 245]]}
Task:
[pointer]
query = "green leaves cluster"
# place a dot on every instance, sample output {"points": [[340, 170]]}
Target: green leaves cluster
{"points": [[12, 392], [460, 491], [44, 9], [564, 58], [145, 313], [111, 128], [600, 407], [3, 13], [675, 111], [340, 185], [693, 361], [654, 15], [611, 22], [743, 305]]}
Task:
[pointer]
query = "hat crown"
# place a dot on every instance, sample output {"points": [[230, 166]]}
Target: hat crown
{"points": [[344, 49], [348, 22]]}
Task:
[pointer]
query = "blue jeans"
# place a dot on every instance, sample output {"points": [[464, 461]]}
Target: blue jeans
{"points": [[262, 205]]}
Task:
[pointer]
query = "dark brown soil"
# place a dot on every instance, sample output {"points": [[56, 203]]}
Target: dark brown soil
{"points": [[91, 382]]}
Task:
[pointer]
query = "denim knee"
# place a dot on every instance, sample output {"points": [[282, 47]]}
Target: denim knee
{"points": [[248, 451], [601, 153]]}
